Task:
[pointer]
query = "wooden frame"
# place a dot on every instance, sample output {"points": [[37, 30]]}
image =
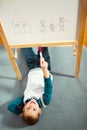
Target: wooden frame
{"points": [[13, 56], [85, 34], [81, 36], [0, 41], [10, 53]]}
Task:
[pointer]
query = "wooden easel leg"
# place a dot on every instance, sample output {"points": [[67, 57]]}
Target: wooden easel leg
{"points": [[85, 34], [81, 35], [1, 41], [10, 53]]}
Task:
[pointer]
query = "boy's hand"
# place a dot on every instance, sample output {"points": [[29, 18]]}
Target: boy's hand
{"points": [[43, 63], [44, 66]]}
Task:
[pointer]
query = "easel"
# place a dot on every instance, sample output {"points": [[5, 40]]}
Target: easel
{"points": [[0, 41], [83, 16], [13, 56], [10, 53], [85, 34]]}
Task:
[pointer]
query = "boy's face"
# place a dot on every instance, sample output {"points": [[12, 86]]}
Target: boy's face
{"points": [[32, 108]]}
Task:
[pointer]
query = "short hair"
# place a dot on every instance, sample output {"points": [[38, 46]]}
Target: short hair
{"points": [[30, 120]]}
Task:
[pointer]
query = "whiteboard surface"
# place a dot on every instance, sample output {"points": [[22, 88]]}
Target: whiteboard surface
{"points": [[33, 21]]}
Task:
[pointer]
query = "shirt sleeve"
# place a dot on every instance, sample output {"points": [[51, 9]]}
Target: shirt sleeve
{"points": [[16, 105], [47, 95]]}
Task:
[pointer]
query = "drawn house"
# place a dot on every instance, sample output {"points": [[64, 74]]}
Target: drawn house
{"points": [[20, 24]]}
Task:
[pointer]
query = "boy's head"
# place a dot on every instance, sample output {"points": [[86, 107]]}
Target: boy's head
{"points": [[31, 112]]}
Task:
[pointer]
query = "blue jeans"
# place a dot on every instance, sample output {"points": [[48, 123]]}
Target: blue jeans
{"points": [[33, 60]]}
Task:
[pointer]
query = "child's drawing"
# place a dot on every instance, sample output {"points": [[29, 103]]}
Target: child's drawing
{"points": [[20, 25], [52, 26], [43, 26], [61, 23]]}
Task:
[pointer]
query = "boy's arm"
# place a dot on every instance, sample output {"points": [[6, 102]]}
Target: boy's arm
{"points": [[16, 106], [44, 66], [47, 82], [47, 95]]}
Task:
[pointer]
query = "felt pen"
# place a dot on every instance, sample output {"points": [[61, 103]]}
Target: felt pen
{"points": [[40, 51]]}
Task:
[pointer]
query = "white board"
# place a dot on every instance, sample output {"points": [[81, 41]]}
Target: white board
{"points": [[33, 21]]}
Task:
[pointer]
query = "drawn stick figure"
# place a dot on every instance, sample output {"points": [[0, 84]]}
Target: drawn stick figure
{"points": [[43, 26], [62, 23], [52, 27]]}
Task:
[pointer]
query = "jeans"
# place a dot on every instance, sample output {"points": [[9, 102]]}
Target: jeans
{"points": [[33, 60]]}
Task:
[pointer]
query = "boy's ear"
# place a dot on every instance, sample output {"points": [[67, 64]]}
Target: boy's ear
{"points": [[21, 115], [40, 111]]}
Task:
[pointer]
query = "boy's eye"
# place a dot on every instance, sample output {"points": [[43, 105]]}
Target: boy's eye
{"points": [[28, 108], [34, 109]]}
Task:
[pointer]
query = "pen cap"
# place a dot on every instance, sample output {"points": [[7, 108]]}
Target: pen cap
{"points": [[40, 49]]}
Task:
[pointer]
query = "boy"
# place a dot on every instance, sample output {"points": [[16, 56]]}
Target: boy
{"points": [[38, 91]]}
